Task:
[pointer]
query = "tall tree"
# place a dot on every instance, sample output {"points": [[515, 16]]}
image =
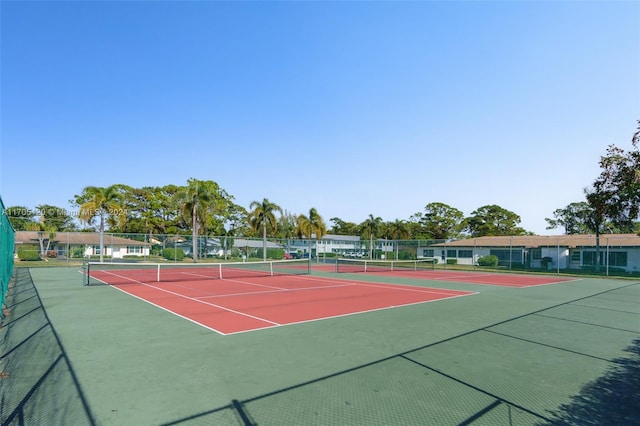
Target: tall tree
{"points": [[262, 216], [574, 218], [308, 226], [416, 226], [615, 194], [45, 232], [597, 200], [341, 227], [493, 220], [442, 221], [236, 220], [195, 200], [102, 203], [55, 217], [371, 228], [619, 184], [20, 217], [397, 230], [287, 223]]}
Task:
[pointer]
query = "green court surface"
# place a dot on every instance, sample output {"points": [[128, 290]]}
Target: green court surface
{"points": [[565, 353]]}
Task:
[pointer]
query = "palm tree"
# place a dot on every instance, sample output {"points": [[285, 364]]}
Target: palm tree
{"points": [[308, 226], [104, 203], [193, 201], [262, 217], [44, 232], [371, 228], [397, 230]]}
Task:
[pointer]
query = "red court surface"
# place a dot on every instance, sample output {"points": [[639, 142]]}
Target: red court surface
{"points": [[501, 279], [470, 277], [231, 306]]}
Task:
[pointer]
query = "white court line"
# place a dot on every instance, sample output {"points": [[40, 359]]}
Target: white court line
{"points": [[282, 290], [553, 283], [486, 274], [353, 313], [347, 283], [389, 286], [188, 298], [481, 274]]}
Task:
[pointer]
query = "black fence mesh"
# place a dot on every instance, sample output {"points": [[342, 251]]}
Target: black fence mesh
{"points": [[38, 385]]}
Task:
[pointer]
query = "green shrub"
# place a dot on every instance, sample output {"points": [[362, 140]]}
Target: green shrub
{"points": [[405, 255], [489, 261], [272, 253], [173, 253], [77, 252], [28, 253], [452, 261]]}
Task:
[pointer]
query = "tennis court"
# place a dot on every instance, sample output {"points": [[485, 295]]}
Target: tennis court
{"points": [[567, 353], [425, 270], [234, 298]]}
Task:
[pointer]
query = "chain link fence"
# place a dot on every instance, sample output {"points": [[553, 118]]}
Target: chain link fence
{"points": [[610, 255], [38, 385]]}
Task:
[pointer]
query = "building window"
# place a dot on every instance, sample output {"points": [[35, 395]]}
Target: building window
{"points": [[589, 258], [452, 253], [465, 254], [536, 253], [575, 256], [503, 255], [134, 249], [618, 258], [428, 253], [96, 249]]}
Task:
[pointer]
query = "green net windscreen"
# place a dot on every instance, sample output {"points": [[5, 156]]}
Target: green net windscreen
{"points": [[7, 242]]}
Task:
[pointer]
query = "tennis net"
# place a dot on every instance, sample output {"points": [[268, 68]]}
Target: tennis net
{"points": [[363, 265], [115, 273]]}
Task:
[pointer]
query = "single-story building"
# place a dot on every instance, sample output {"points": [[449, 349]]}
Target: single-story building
{"points": [[81, 244], [558, 252]]}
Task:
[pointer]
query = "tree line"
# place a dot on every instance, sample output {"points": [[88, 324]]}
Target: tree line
{"points": [[202, 207]]}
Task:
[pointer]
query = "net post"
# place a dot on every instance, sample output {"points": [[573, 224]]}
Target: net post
{"points": [[220, 271], [85, 272], [158, 274], [271, 268]]}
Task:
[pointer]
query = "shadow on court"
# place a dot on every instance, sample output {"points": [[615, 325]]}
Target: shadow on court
{"points": [[505, 374], [611, 399], [577, 363], [38, 385]]}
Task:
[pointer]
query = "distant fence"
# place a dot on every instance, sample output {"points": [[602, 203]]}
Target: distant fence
{"points": [[574, 254]]}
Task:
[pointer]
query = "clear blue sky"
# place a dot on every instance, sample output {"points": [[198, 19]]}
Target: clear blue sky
{"points": [[354, 108]]}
